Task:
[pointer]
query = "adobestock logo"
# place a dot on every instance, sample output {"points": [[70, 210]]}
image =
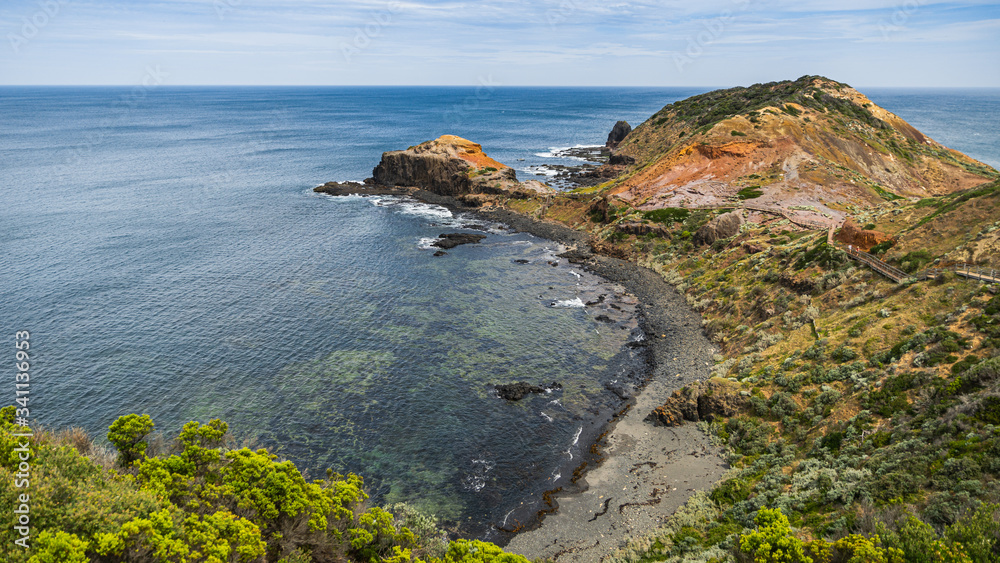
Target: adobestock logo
{"points": [[363, 36], [223, 7], [713, 30], [900, 16], [32, 25], [455, 115]]}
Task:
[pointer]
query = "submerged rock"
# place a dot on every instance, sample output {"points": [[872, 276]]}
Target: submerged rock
{"points": [[517, 391], [346, 188], [451, 240]]}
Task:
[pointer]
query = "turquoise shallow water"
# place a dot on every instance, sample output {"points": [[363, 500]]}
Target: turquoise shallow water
{"points": [[169, 257]]}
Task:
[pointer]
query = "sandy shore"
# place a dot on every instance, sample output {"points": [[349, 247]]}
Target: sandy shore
{"points": [[648, 472]]}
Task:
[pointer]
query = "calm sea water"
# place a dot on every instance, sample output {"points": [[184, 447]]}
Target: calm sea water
{"points": [[967, 120], [169, 257]]}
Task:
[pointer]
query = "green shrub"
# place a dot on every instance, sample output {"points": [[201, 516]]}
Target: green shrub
{"points": [[667, 215], [978, 533], [128, 434], [989, 411], [206, 505], [475, 551], [772, 541], [915, 261], [790, 110], [880, 248], [731, 492], [843, 354], [173, 537], [59, 547]]}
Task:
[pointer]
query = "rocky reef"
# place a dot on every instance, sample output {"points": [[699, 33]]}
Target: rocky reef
{"points": [[517, 391], [451, 240]]}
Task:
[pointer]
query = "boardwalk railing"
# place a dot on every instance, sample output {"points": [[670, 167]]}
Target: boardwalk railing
{"points": [[979, 273], [887, 270]]}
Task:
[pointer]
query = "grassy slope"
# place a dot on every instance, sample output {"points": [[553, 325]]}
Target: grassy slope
{"points": [[891, 408]]}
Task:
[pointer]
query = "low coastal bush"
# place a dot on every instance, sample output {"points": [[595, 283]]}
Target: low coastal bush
{"points": [[201, 502], [751, 192], [667, 215]]}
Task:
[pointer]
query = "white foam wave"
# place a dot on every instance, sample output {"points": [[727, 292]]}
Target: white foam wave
{"points": [[426, 243], [437, 215], [560, 152], [569, 304], [425, 210], [576, 437], [476, 480], [577, 274], [409, 206], [546, 417], [348, 197], [540, 170]]}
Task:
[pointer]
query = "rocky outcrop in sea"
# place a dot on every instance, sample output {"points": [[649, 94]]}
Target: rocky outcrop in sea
{"points": [[451, 166], [618, 134]]}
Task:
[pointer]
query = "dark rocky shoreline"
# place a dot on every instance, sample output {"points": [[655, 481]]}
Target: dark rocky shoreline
{"points": [[675, 352]]}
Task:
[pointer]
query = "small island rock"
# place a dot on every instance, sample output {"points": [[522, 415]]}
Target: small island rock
{"points": [[618, 134]]}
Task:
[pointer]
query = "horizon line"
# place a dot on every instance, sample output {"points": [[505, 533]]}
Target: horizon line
{"points": [[498, 86]]}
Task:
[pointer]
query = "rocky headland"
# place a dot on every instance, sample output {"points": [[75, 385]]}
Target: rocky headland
{"points": [[834, 390]]}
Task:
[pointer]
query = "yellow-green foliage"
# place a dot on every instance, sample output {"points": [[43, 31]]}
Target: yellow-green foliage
{"points": [[474, 551], [59, 547], [202, 504], [772, 541], [128, 434], [170, 536], [856, 548]]}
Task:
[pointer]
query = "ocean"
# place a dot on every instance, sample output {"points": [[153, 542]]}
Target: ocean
{"points": [[167, 254]]}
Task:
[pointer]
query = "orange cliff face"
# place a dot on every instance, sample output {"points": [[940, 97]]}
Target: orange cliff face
{"points": [[464, 149]]}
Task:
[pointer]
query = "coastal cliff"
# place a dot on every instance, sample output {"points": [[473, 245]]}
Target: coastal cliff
{"points": [[857, 411]]}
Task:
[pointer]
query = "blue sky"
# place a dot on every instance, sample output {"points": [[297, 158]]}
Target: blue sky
{"points": [[501, 42]]}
